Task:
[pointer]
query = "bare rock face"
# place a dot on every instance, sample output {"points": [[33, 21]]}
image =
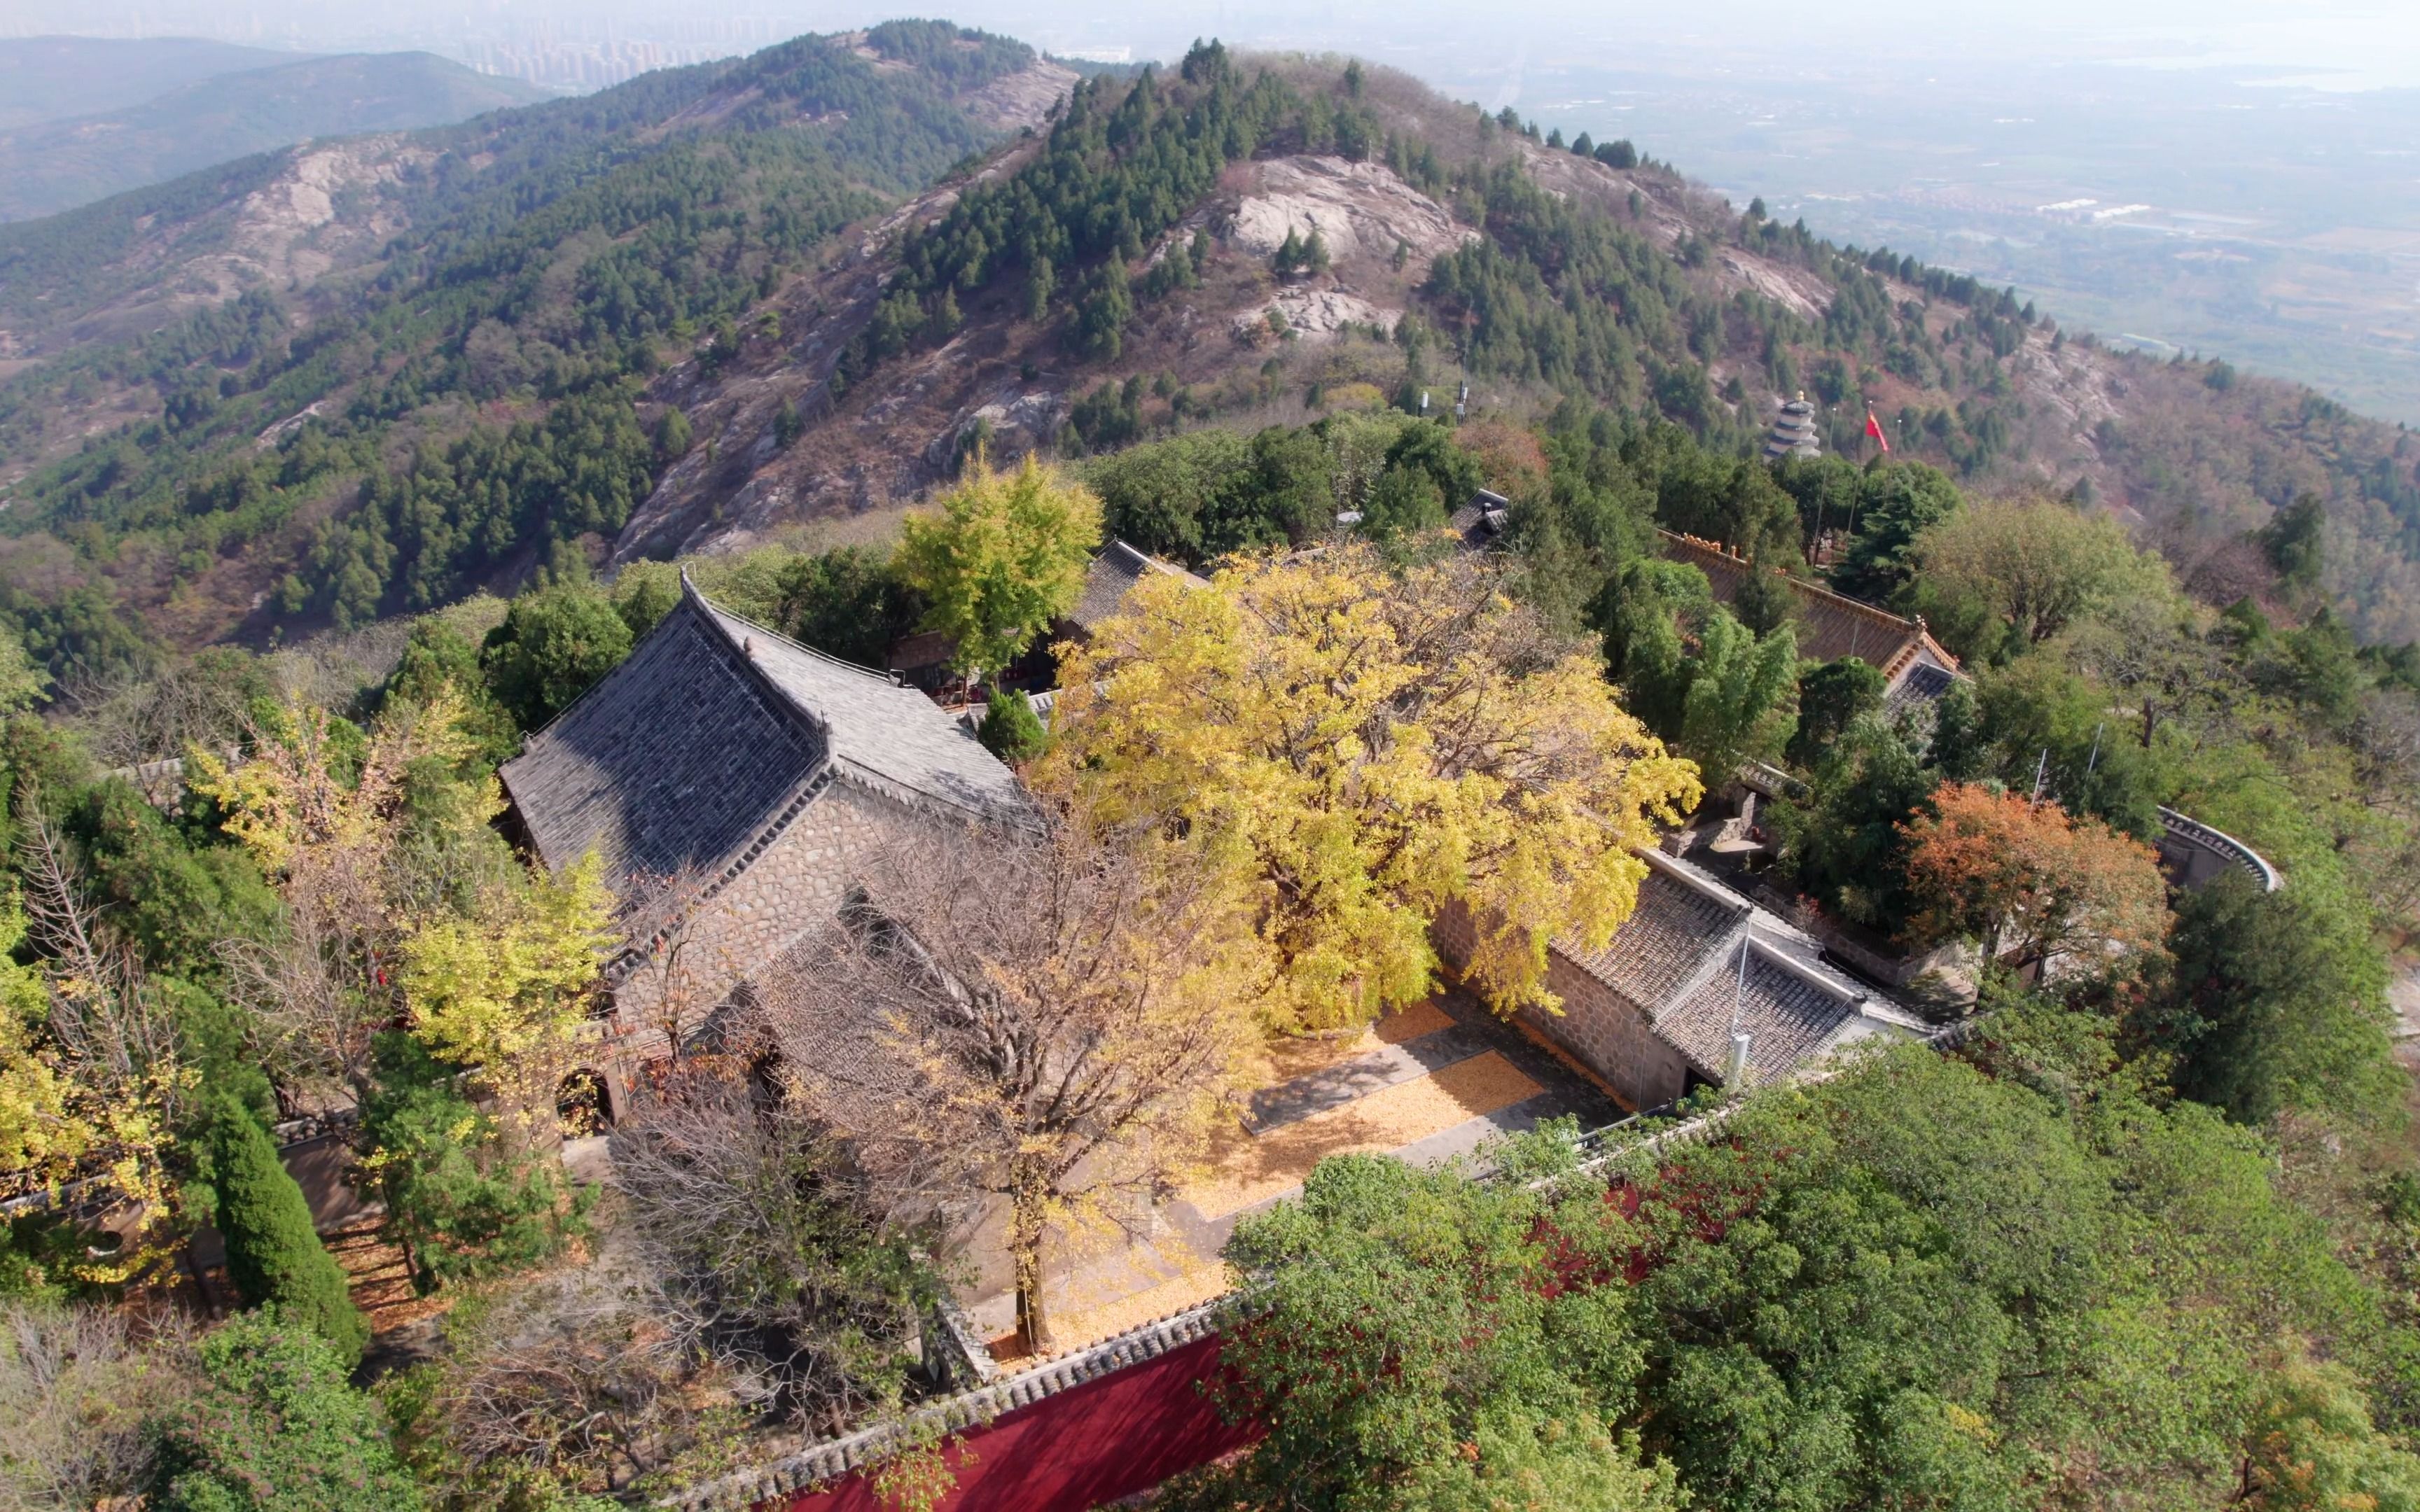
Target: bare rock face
{"points": [[1315, 313], [910, 424], [1017, 100], [1360, 209]]}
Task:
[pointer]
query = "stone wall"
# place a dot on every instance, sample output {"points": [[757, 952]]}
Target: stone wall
{"points": [[791, 889], [1599, 1030], [1609, 1037]]}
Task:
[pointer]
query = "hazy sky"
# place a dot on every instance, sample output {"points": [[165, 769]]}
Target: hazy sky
{"points": [[2357, 43]]}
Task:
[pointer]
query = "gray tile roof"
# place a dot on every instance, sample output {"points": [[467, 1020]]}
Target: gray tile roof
{"points": [[1676, 929], [1111, 576], [890, 738], [1676, 960], [674, 760], [1924, 684], [715, 731], [1791, 1012], [1478, 523]]}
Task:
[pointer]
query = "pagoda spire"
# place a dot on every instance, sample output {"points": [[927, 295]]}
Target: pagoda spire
{"points": [[1793, 432]]}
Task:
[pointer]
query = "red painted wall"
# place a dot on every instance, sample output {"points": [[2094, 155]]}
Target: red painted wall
{"points": [[1125, 1432]]}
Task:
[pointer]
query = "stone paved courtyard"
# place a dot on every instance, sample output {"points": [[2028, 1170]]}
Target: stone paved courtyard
{"points": [[1429, 1084]]}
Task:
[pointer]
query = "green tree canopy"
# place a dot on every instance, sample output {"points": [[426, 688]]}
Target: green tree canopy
{"points": [[1408, 1349], [274, 1256], [1832, 695], [21, 683], [1645, 612], [1738, 703], [1004, 558], [277, 1428], [1896, 503], [2036, 567], [1929, 1282], [2296, 540], [2037, 717], [553, 645], [849, 602], [1844, 839], [2278, 1001], [461, 1199], [1010, 728]]}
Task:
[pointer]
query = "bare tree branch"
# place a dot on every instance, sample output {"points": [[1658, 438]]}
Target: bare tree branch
{"points": [[1051, 1022]]}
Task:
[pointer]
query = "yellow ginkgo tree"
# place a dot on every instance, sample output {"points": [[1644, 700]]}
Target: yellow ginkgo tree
{"points": [[1004, 557], [40, 1135], [322, 807], [501, 986], [90, 1082], [1371, 747], [489, 964]]}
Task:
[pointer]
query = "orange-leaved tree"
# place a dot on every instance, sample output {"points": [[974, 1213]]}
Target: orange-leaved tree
{"points": [[2028, 882]]}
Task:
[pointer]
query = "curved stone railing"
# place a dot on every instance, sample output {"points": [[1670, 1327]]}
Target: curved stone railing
{"points": [[2197, 853]]}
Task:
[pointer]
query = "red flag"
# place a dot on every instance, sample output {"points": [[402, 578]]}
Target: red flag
{"points": [[1874, 428]]}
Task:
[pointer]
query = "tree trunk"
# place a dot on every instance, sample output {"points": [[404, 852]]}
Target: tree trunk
{"points": [[1024, 1229]]}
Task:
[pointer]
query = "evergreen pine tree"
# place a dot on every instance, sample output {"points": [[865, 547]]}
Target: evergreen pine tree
{"points": [[1956, 746], [276, 1428], [1289, 257], [1314, 252], [1010, 728], [1040, 281], [1101, 319], [1765, 602], [672, 434], [274, 1253]]}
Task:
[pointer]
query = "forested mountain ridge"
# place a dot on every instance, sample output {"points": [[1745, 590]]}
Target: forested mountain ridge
{"points": [[222, 361], [1536, 272], [372, 377]]}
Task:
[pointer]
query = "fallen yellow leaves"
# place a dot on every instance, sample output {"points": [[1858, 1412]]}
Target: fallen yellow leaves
{"points": [[1246, 1170]]}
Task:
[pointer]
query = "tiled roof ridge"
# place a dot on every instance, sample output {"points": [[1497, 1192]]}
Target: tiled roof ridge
{"points": [[1875, 613], [1806, 971], [728, 867], [832, 1458], [858, 773], [744, 851], [1746, 947], [1695, 880], [1149, 563], [707, 609], [716, 613], [1746, 918]]}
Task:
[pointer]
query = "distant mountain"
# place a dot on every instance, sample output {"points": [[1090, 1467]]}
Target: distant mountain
{"points": [[55, 78], [56, 164], [215, 365], [1532, 271], [371, 374]]}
